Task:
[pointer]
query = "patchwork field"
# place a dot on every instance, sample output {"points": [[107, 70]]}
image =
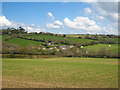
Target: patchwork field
{"points": [[47, 37], [60, 73], [23, 42], [3, 37], [75, 35], [111, 47]]}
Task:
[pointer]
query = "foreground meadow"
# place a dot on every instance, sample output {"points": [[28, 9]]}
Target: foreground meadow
{"points": [[60, 73]]}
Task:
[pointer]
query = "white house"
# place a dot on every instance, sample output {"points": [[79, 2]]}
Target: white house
{"points": [[50, 48], [63, 48], [57, 50], [44, 48], [71, 46]]}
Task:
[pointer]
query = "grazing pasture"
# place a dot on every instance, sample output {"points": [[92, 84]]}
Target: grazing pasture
{"points": [[60, 73], [117, 40], [71, 39], [3, 37], [97, 47], [23, 42], [76, 35]]}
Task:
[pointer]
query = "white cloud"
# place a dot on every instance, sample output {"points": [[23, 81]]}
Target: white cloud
{"points": [[108, 10], [60, 32], [4, 22], [31, 29], [28, 28], [39, 30], [87, 11], [50, 14], [109, 6], [52, 26], [58, 23], [109, 30], [101, 17], [112, 16], [82, 23]]}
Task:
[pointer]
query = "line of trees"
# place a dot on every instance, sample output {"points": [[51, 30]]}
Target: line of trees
{"points": [[10, 31]]}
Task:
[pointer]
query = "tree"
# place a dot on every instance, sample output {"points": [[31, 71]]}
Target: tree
{"points": [[64, 35]]}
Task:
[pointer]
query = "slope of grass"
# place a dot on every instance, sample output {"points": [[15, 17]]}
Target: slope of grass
{"points": [[23, 42], [116, 40], [0, 38], [60, 73], [97, 47], [3, 37], [47, 37], [76, 35]]}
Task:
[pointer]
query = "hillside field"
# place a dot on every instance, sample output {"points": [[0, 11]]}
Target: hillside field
{"points": [[60, 73], [113, 47], [47, 37], [23, 42]]}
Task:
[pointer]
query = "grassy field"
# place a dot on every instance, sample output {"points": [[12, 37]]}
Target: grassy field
{"points": [[23, 42], [60, 73], [116, 40], [76, 35], [47, 37], [97, 47], [4, 37], [113, 39]]}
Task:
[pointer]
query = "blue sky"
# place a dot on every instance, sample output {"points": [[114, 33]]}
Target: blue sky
{"points": [[36, 12], [60, 17]]}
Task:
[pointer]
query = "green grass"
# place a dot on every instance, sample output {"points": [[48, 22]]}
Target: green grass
{"points": [[76, 35], [0, 37], [115, 40], [3, 37], [97, 47], [47, 37], [60, 73], [23, 42]]}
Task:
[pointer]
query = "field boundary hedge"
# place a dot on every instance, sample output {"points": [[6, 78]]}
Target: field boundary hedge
{"points": [[26, 56]]}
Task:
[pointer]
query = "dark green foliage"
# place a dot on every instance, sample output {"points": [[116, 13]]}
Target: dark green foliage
{"points": [[10, 31]]}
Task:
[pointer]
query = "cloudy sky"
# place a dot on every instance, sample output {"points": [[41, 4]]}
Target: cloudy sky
{"points": [[61, 17]]}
